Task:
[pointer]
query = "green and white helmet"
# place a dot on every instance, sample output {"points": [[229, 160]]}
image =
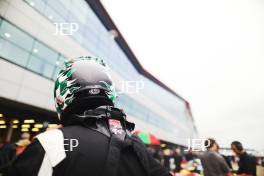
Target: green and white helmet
{"points": [[84, 83]]}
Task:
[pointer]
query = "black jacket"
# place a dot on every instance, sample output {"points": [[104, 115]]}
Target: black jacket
{"points": [[90, 157]]}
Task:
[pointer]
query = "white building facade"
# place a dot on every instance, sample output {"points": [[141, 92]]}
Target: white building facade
{"points": [[36, 36]]}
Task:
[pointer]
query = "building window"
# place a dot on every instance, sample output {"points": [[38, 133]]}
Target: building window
{"points": [[24, 50], [13, 53], [14, 35]]}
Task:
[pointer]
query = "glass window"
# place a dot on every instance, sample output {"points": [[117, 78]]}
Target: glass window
{"points": [[36, 64], [95, 20], [45, 53], [59, 7], [48, 70], [13, 53], [11, 33], [60, 61], [66, 3], [153, 119], [77, 14], [80, 9], [81, 5], [40, 58], [40, 66], [90, 37], [78, 37], [37, 4], [53, 15], [72, 19]]}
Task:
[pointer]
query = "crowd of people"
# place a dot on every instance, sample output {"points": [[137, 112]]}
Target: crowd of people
{"points": [[188, 163], [209, 162]]}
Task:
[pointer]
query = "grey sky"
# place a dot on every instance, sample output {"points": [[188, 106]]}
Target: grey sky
{"points": [[210, 52]]}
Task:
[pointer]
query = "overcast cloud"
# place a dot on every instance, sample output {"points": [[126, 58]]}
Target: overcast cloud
{"points": [[210, 52]]}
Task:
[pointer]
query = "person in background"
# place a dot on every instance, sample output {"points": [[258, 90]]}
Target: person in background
{"points": [[9, 152], [247, 163], [177, 159], [155, 152], [22, 143], [191, 162], [228, 159], [190, 155], [167, 157], [213, 163], [157, 155]]}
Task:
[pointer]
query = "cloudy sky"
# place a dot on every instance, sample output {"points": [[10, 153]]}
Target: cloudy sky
{"points": [[210, 52]]}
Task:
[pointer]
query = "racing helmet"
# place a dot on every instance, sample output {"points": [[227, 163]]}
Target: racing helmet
{"points": [[84, 83]]}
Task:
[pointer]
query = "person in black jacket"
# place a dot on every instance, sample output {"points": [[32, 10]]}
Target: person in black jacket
{"points": [[247, 163], [7, 155], [10, 151], [96, 139]]}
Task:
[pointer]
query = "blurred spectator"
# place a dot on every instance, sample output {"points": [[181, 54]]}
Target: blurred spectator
{"points": [[213, 163], [9, 152], [190, 155], [7, 156], [168, 160], [22, 143], [157, 154], [177, 159], [247, 163], [228, 159], [191, 162]]}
